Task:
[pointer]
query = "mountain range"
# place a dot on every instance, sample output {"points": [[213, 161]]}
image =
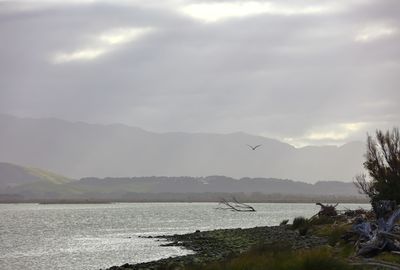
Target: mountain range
{"points": [[79, 150]]}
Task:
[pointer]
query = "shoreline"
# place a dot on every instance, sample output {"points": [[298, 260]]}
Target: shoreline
{"points": [[311, 200], [220, 244]]}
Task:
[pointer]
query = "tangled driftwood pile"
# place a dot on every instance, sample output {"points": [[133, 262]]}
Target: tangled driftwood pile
{"points": [[372, 231], [327, 210], [380, 234]]}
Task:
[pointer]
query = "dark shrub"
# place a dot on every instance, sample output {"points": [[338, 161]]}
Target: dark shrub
{"points": [[299, 222]]}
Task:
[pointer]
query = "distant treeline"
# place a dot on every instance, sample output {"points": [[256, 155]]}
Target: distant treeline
{"points": [[189, 197], [29, 187]]}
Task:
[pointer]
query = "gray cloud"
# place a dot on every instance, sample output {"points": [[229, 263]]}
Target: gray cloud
{"points": [[302, 77]]}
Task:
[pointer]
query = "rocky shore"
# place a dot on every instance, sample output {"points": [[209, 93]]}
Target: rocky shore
{"points": [[218, 245]]}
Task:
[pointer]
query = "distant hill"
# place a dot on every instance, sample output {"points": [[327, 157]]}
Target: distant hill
{"points": [[210, 184], [26, 184], [81, 149], [12, 175]]}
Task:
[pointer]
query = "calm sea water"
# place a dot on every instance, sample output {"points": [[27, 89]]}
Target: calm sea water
{"points": [[94, 236]]}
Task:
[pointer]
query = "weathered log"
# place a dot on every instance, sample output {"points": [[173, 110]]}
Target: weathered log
{"points": [[378, 236]]}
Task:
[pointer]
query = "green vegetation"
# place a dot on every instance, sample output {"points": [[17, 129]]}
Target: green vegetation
{"points": [[333, 232], [322, 220], [280, 257], [388, 257], [284, 222], [383, 166], [47, 176], [336, 254], [43, 189], [301, 224]]}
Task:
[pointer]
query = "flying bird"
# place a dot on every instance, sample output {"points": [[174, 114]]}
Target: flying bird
{"points": [[254, 147]]}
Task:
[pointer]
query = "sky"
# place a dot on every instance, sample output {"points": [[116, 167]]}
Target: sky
{"points": [[306, 72]]}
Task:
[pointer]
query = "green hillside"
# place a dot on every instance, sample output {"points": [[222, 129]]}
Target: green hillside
{"points": [[12, 175], [48, 176]]}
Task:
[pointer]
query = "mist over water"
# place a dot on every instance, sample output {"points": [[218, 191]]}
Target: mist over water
{"points": [[94, 236]]}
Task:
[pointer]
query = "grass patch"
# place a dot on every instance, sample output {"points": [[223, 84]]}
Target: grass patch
{"points": [[301, 224], [388, 257], [334, 233], [284, 222], [48, 176], [280, 257], [322, 220]]}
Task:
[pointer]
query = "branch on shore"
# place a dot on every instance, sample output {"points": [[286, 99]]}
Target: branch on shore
{"points": [[235, 205]]}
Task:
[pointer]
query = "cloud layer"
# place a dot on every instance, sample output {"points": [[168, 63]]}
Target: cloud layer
{"points": [[307, 72]]}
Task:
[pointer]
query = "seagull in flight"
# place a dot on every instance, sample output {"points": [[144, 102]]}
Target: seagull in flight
{"points": [[254, 147]]}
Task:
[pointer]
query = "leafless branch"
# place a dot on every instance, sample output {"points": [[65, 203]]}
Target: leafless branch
{"points": [[235, 205]]}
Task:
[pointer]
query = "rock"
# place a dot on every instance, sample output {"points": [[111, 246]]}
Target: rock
{"points": [[217, 245]]}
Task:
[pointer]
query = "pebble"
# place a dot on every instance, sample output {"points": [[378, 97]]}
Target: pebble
{"points": [[218, 244]]}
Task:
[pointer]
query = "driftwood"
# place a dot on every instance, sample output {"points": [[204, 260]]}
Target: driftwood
{"points": [[235, 205], [384, 208], [369, 262], [366, 214], [378, 236], [327, 210]]}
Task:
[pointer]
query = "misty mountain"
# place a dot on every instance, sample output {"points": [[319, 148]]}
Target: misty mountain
{"points": [[81, 149]]}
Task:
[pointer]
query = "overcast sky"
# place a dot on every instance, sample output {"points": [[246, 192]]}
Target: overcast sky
{"points": [[305, 72]]}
